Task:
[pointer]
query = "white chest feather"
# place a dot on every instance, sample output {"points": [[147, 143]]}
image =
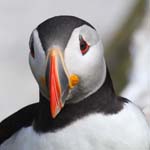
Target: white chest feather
{"points": [[126, 130]]}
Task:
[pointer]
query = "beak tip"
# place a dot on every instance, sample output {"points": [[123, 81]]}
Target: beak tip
{"points": [[55, 112]]}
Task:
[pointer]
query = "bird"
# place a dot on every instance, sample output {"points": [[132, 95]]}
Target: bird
{"points": [[78, 107]]}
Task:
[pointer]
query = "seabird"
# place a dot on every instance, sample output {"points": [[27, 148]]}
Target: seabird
{"points": [[78, 108]]}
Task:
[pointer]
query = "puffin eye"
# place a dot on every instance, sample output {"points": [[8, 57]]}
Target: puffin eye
{"points": [[84, 47], [31, 47]]}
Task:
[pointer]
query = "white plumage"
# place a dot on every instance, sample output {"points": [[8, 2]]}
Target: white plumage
{"points": [[126, 130]]}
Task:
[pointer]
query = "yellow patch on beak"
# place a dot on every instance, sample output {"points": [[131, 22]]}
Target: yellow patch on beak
{"points": [[43, 82], [73, 80]]}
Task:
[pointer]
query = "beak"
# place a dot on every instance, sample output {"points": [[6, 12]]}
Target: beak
{"points": [[59, 82]]}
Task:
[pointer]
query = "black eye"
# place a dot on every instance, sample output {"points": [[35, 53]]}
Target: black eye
{"points": [[84, 47], [31, 47]]}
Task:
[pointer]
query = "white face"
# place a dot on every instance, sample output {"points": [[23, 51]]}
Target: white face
{"points": [[90, 66], [38, 63]]}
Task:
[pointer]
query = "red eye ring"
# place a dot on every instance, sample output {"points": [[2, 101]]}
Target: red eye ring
{"points": [[84, 47], [32, 52]]}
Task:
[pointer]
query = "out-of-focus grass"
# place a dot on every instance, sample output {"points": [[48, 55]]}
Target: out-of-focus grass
{"points": [[117, 51]]}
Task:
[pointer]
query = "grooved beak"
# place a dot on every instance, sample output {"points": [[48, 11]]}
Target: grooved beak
{"points": [[59, 81]]}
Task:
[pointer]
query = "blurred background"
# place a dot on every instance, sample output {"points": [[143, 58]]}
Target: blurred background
{"points": [[123, 26]]}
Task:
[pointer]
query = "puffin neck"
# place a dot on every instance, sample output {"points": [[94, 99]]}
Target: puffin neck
{"points": [[103, 101]]}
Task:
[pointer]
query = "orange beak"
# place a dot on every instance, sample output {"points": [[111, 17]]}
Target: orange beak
{"points": [[55, 89], [59, 82]]}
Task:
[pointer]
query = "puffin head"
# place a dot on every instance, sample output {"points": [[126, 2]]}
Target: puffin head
{"points": [[66, 58]]}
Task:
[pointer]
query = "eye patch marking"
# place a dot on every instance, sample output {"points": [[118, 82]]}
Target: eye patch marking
{"points": [[84, 46]]}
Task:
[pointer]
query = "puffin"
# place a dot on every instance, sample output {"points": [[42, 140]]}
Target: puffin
{"points": [[78, 108]]}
